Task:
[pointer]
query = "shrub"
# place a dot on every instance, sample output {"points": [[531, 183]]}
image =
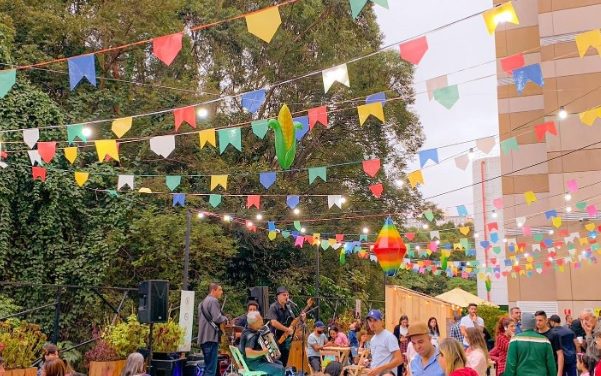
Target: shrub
{"points": [[21, 342]]}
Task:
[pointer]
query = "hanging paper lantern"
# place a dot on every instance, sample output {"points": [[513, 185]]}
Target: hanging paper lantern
{"points": [[389, 248], [488, 283], [285, 137]]}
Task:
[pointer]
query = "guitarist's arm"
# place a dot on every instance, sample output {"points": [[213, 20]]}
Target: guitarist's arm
{"points": [[279, 326], [215, 312]]}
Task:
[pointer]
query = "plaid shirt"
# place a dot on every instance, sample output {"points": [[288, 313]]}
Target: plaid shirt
{"points": [[456, 333]]}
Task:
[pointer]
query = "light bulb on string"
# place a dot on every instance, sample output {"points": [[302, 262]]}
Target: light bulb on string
{"points": [[568, 209], [494, 214], [343, 200], [567, 197], [425, 226], [296, 211], [249, 224], [227, 218], [399, 183], [86, 131], [551, 232], [202, 113], [201, 215], [259, 217], [303, 230], [562, 114], [476, 235], [471, 154], [365, 230]]}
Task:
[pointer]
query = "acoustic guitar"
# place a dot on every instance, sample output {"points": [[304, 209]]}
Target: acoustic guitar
{"points": [[293, 325]]}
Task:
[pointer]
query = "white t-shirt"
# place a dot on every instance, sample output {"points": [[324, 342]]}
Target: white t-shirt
{"points": [[382, 345], [477, 361], [468, 323], [315, 340]]}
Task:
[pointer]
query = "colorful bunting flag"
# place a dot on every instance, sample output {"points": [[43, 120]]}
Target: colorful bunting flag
{"points": [[80, 67], [264, 23], [125, 180], [532, 72], [47, 150], [106, 148], [377, 189], [179, 199], [335, 74], [292, 201], [259, 128], [253, 100], [267, 179], [162, 145], [38, 173], [413, 50], [374, 109], [318, 115], [34, 157], [81, 177], [436, 83], [334, 200], [71, 153], [207, 136], [462, 211], [542, 129], [588, 39], [462, 161], [214, 200], [429, 215], [572, 185], [358, 5], [500, 14], [509, 144], [447, 96], [218, 180], [8, 78], [253, 200], [302, 131], [173, 181], [317, 172], [486, 144], [588, 117], [530, 197], [76, 131], [229, 136], [415, 178], [510, 63], [167, 47], [31, 136], [427, 155], [371, 167], [121, 126], [187, 114]]}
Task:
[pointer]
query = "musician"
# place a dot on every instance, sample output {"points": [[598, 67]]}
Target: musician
{"points": [[280, 314], [251, 306], [251, 348], [209, 318]]}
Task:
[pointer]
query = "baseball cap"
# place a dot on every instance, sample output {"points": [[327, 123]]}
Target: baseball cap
{"points": [[319, 324], [375, 314], [417, 329], [281, 290]]}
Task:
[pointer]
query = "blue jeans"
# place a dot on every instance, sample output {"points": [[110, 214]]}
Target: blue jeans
{"points": [[210, 352], [569, 369]]}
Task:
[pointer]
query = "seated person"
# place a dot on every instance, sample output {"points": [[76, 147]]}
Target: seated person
{"points": [[251, 350], [315, 343], [337, 338]]}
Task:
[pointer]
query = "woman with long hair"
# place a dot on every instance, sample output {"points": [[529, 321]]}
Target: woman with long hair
{"points": [[400, 332], [477, 352], [54, 367], [504, 330], [452, 359], [434, 331], [134, 365]]}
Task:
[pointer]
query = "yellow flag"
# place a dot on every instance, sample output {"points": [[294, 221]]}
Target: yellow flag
{"points": [[272, 235], [589, 117], [145, 190], [583, 241], [218, 180], [374, 109], [464, 230], [415, 178], [331, 241], [530, 197], [589, 226], [264, 23], [107, 147], [81, 177], [121, 126], [71, 153], [502, 13], [556, 222], [316, 238], [588, 39], [207, 135]]}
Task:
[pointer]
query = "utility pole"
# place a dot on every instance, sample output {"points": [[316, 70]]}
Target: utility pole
{"points": [[185, 283]]}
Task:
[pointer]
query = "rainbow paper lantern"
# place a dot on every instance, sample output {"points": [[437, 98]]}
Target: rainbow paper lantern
{"points": [[389, 248]]}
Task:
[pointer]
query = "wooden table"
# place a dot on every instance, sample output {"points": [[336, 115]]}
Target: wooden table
{"points": [[341, 354]]}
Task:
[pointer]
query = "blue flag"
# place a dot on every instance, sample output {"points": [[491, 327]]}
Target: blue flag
{"points": [[80, 67], [267, 179], [253, 100]]}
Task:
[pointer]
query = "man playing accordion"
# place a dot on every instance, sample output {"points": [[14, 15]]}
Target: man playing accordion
{"points": [[253, 352]]}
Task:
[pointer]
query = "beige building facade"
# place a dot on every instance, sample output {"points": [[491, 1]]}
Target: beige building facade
{"points": [[546, 35]]}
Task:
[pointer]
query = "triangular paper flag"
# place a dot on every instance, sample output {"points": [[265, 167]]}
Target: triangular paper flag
{"points": [[464, 230], [253, 100], [542, 129], [485, 145], [588, 117], [509, 144], [588, 39], [532, 72], [259, 128], [162, 145], [107, 148], [500, 14], [179, 199], [317, 172], [530, 197], [207, 136], [267, 179], [81, 177], [167, 47], [292, 201], [461, 211], [427, 155], [377, 97], [358, 5], [375, 109], [572, 185], [415, 178], [229, 136], [121, 126], [556, 222], [34, 157], [498, 203], [371, 167], [71, 153], [173, 182], [214, 200], [218, 180], [187, 114], [264, 23], [318, 115], [462, 161], [414, 50], [509, 63], [123, 180], [8, 78], [38, 172], [429, 215], [334, 200], [304, 122], [436, 83], [447, 96], [253, 200], [31, 136], [80, 67], [76, 131], [338, 73], [376, 189], [47, 150]]}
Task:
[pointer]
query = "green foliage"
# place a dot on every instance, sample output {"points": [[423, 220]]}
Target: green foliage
{"points": [[468, 285], [72, 356], [167, 337], [22, 342], [8, 306], [127, 336], [491, 316]]}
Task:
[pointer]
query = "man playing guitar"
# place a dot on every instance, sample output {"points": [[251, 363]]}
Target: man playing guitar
{"points": [[209, 319], [280, 314]]}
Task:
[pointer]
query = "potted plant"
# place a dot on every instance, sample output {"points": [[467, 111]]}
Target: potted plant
{"points": [[21, 343], [167, 337], [102, 359]]}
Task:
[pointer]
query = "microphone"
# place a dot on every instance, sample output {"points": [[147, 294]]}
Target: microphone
{"points": [[291, 302]]}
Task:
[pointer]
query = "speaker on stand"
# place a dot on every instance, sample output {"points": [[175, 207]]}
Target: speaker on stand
{"points": [[260, 294], [153, 306]]}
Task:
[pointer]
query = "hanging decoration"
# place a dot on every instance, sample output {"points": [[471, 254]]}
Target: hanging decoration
{"points": [[389, 248], [285, 129]]}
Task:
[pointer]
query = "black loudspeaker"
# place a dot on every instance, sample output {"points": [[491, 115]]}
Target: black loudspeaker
{"points": [[153, 302], [260, 294]]}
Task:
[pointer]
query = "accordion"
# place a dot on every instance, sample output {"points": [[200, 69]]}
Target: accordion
{"points": [[267, 342]]}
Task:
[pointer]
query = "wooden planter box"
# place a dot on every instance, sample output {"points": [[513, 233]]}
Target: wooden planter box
{"points": [[112, 368], [22, 372]]}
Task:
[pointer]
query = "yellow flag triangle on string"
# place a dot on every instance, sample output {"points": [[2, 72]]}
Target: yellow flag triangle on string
{"points": [[588, 39], [556, 222], [530, 197], [264, 23], [207, 136], [218, 180], [81, 177], [501, 14], [374, 109], [71, 153], [316, 238], [107, 147], [415, 178], [589, 117], [121, 126]]}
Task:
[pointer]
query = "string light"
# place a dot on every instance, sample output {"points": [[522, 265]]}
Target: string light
{"points": [[303, 230], [365, 230], [296, 211], [249, 224], [504, 240], [259, 217], [562, 114], [399, 183], [494, 213], [201, 215], [343, 200], [437, 242], [476, 235], [567, 197], [425, 226], [227, 218], [568, 209], [202, 113], [551, 232], [86, 131], [417, 247], [471, 155]]}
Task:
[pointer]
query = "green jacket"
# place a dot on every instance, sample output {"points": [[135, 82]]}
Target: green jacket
{"points": [[530, 354]]}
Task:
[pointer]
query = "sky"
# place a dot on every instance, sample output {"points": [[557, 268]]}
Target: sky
{"points": [[465, 52]]}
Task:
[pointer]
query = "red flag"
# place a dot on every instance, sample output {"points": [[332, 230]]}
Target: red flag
{"points": [[167, 47], [541, 129], [339, 238], [376, 189], [493, 226], [371, 167], [38, 173], [187, 114], [318, 114], [410, 236], [414, 50], [509, 63], [253, 200], [47, 150], [563, 232]]}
